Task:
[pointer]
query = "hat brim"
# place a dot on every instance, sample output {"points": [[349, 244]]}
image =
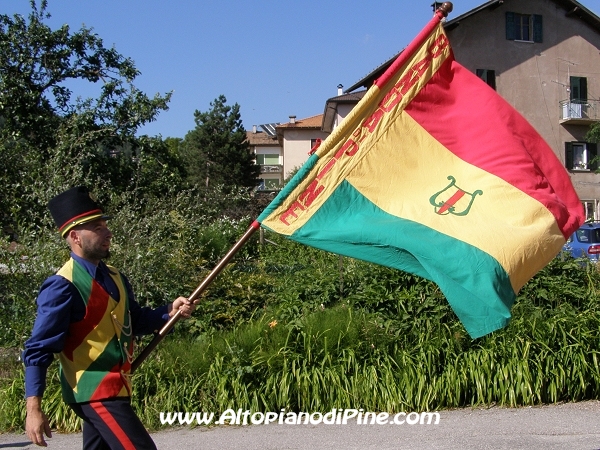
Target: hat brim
{"points": [[80, 221]]}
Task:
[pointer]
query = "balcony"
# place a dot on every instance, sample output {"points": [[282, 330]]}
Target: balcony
{"points": [[271, 168], [579, 112]]}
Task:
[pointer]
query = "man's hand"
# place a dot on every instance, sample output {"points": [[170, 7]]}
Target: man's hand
{"points": [[36, 423], [184, 305]]}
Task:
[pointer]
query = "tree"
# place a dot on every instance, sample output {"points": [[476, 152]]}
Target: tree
{"points": [[50, 141], [35, 63], [216, 151], [593, 135]]}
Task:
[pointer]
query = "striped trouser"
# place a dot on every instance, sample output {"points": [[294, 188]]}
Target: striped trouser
{"points": [[112, 424]]}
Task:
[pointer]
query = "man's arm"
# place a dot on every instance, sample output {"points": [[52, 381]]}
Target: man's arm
{"points": [[36, 423], [146, 320], [54, 314]]}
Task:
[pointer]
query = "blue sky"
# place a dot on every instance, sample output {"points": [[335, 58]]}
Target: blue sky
{"points": [[273, 58]]}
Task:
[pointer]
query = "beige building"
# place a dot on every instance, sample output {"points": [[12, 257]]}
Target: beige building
{"points": [[280, 149], [269, 155], [297, 138]]}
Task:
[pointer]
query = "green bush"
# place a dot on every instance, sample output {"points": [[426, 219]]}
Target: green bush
{"points": [[287, 326]]}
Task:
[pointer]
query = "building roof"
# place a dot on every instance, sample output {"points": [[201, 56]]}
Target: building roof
{"points": [[332, 104], [572, 7], [261, 138], [308, 123]]}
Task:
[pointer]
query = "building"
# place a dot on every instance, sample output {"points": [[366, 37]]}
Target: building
{"points": [[338, 107], [269, 155], [543, 57], [297, 138], [280, 149]]}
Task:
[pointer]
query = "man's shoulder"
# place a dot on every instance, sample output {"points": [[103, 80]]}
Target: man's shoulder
{"points": [[111, 269], [114, 271], [55, 289], [54, 281]]}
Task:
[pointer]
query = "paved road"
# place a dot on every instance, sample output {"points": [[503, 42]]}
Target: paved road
{"points": [[571, 426]]}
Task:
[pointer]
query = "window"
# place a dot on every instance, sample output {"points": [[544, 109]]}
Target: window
{"points": [[578, 86], [267, 159], [489, 76], [523, 27], [580, 156], [590, 236], [577, 106], [272, 183], [589, 207]]}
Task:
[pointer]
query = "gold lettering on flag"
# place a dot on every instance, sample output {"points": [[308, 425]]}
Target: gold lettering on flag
{"points": [[403, 90]]}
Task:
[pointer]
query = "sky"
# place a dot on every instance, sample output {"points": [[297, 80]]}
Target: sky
{"points": [[273, 58]]}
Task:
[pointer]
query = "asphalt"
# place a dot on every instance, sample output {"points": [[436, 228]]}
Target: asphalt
{"points": [[563, 426]]}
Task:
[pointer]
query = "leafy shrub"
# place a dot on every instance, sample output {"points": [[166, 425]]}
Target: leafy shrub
{"points": [[287, 326]]}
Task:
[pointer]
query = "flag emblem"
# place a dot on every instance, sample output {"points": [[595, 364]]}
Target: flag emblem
{"points": [[455, 196], [366, 192]]}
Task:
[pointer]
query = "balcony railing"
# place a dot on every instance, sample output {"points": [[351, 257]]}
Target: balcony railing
{"points": [[579, 111], [276, 168]]}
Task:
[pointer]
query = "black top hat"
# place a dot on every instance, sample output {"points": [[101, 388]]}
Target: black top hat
{"points": [[74, 207]]}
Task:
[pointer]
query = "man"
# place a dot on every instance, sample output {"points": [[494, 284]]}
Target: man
{"points": [[88, 315]]}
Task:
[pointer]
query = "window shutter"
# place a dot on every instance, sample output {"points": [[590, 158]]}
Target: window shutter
{"points": [[574, 88], [583, 89], [537, 28], [592, 149], [491, 81], [487, 75], [569, 155], [511, 29], [578, 87]]}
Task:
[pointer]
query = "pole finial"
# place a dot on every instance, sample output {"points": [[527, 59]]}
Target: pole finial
{"points": [[446, 8]]}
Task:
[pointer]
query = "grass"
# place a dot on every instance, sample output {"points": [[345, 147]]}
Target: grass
{"points": [[339, 358], [342, 358], [323, 333]]}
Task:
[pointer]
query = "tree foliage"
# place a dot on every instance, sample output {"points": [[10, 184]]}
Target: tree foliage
{"points": [[593, 135], [216, 151], [51, 139], [35, 65]]}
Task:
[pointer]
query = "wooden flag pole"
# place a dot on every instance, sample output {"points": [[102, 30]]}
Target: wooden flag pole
{"points": [[205, 283], [441, 12]]}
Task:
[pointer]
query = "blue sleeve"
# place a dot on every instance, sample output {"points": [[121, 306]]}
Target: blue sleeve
{"points": [[55, 311], [145, 320]]}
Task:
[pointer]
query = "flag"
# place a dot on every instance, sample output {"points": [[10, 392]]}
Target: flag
{"points": [[433, 173]]}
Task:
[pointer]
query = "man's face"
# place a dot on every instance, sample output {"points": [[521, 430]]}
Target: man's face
{"points": [[92, 240]]}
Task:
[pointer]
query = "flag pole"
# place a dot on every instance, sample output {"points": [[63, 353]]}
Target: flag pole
{"points": [[161, 334], [441, 12], [446, 8]]}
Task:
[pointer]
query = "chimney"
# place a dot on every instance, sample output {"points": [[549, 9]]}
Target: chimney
{"points": [[254, 129], [340, 89], [292, 119]]}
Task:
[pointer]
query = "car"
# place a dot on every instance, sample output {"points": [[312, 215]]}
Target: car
{"points": [[585, 242]]}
